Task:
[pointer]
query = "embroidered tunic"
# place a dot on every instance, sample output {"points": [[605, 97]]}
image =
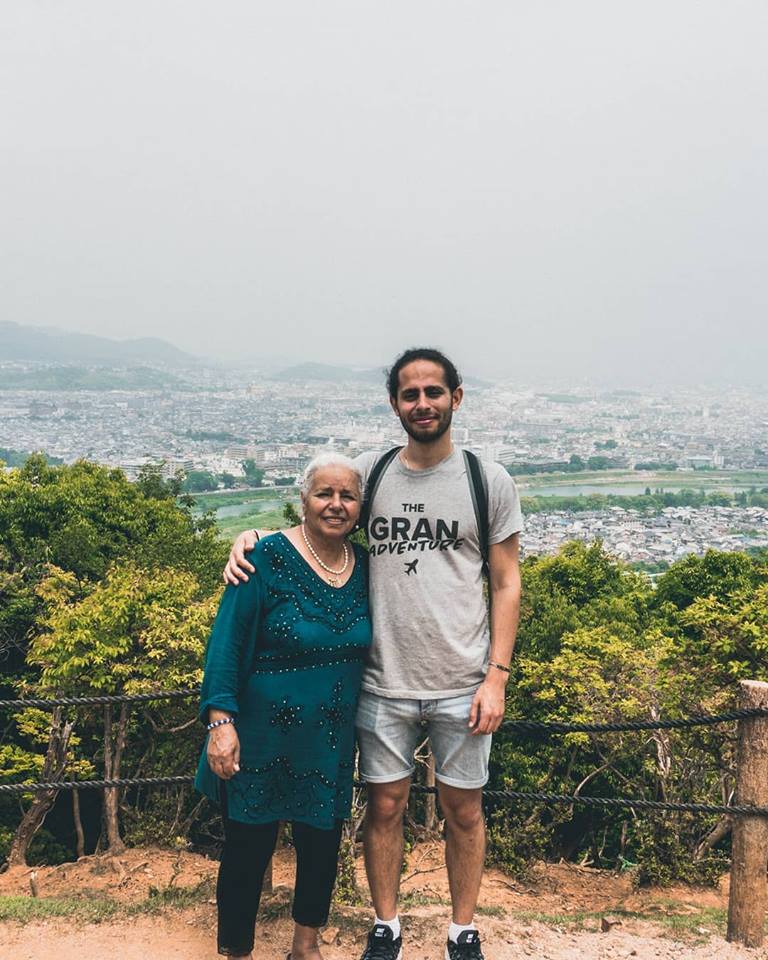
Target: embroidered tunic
{"points": [[286, 656]]}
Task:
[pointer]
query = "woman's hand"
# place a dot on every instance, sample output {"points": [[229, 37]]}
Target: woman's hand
{"points": [[224, 751]]}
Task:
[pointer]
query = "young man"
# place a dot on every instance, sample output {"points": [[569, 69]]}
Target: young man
{"points": [[434, 665]]}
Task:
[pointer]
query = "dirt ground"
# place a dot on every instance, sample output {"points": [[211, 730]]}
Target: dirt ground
{"points": [[544, 918]]}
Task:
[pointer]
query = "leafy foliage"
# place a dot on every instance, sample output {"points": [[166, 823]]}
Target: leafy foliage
{"points": [[136, 630], [108, 586], [598, 644]]}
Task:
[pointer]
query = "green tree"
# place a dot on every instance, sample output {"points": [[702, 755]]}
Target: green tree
{"points": [[596, 646], [137, 631], [199, 481], [155, 485], [254, 476], [81, 518], [74, 522], [290, 515], [730, 634], [716, 574], [23, 760]]}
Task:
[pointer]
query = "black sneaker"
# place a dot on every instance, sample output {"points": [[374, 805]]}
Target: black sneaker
{"points": [[382, 945], [468, 947]]}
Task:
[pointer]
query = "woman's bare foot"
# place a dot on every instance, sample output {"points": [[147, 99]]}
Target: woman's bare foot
{"points": [[305, 946]]}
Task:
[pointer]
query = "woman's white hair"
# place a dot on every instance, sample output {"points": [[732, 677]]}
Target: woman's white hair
{"points": [[329, 460]]}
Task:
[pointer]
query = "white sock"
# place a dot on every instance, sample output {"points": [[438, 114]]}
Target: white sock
{"points": [[456, 928], [394, 925]]}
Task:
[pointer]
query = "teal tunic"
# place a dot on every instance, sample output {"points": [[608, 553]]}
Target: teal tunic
{"points": [[286, 656]]}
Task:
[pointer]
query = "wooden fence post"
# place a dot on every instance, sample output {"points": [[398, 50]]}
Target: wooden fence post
{"points": [[749, 856]]}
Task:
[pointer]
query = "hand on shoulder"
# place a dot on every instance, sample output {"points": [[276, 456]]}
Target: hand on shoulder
{"points": [[238, 567]]}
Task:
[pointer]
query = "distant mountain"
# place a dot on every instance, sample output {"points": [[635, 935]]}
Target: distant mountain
{"points": [[49, 344], [331, 374], [328, 373], [65, 377]]}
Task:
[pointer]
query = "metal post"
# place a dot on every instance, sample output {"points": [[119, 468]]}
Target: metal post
{"points": [[749, 857]]}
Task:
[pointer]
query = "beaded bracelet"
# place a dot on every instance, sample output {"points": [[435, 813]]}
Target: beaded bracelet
{"points": [[219, 723]]}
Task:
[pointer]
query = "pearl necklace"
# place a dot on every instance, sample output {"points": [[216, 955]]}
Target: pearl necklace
{"points": [[332, 580]]}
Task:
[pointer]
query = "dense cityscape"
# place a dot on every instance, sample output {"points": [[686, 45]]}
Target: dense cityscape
{"points": [[558, 441]]}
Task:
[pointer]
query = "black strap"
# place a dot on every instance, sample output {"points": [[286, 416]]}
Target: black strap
{"points": [[374, 478], [478, 489]]}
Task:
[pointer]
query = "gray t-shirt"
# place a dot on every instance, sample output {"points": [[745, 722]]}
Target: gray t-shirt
{"points": [[430, 624]]}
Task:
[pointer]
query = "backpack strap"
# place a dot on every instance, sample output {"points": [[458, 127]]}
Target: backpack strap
{"points": [[374, 479], [478, 488]]}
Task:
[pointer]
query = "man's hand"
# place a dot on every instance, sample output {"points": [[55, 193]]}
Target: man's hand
{"points": [[224, 751], [487, 710], [236, 566]]}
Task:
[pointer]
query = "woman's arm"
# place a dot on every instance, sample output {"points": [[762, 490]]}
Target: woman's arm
{"points": [[228, 657]]}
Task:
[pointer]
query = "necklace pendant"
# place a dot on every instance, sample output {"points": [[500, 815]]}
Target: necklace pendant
{"points": [[334, 579]]}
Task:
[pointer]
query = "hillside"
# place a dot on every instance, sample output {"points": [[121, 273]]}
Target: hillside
{"points": [[70, 377], [50, 344]]}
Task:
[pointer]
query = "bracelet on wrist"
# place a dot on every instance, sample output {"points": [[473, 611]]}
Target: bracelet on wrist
{"points": [[219, 723], [499, 666]]}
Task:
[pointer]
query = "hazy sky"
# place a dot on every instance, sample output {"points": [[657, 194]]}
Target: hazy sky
{"points": [[562, 187]]}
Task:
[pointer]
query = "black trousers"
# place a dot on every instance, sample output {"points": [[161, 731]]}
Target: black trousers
{"points": [[244, 861]]}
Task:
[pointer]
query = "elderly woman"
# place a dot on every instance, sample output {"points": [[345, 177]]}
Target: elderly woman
{"points": [[282, 675]]}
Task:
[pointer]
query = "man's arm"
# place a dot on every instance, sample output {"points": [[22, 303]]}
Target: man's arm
{"points": [[504, 569]]}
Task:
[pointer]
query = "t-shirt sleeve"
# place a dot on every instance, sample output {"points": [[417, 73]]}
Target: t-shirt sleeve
{"points": [[364, 463], [505, 516], [231, 646]]}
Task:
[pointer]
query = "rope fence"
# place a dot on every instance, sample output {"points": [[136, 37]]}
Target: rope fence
{"points": [[522, 726], [97, 701], [545, 798]]}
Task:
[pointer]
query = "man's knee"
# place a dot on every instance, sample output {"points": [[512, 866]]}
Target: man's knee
{"points": [[463, 809], [387, 802]]}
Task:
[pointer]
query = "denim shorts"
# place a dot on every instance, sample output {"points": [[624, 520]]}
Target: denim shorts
{"points": [[389, 730]]}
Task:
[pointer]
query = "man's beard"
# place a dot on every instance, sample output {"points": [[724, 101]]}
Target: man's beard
{"points": [[423, 436]]}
